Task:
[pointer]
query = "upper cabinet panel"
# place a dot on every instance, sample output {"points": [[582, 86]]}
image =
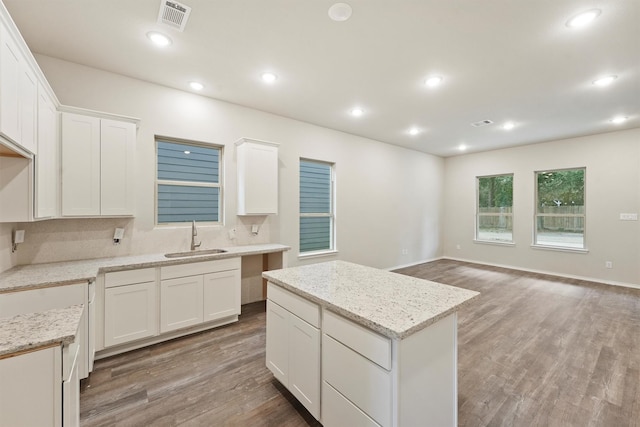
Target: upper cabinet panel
{"points": [[257, 177]]}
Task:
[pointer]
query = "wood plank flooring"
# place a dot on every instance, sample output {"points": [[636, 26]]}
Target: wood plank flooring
{"points": [[533, 350]]}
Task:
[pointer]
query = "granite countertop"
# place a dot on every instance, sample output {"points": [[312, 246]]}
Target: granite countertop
{"points": [[33, 276], [34, 330], [392, 304]]}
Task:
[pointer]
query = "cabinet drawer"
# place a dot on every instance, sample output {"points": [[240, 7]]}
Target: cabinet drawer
{"points": [[304, 309], [195, 268], [337, 411], [370, 344], [358, 379], [129, 277]]}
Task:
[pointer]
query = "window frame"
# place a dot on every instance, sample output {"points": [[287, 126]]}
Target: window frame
{"points": [[219, 184], [509, 215], [537, 215], [331, 214]]}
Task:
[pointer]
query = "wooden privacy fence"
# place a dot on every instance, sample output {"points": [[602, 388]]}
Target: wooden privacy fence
{"points": [[550, 218]]}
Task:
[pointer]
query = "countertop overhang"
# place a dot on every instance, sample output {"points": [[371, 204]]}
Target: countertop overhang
{"points": [[35, 276], [392, 304]]}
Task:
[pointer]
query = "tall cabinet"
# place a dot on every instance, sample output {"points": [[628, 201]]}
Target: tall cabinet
{"points": [[257, 177], [97, 166]]}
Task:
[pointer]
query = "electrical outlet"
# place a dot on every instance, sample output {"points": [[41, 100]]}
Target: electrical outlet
{"points": [[608, 264]]}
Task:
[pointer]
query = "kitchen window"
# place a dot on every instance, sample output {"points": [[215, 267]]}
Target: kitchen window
{"points": [[188, 182], [317, 215], [560, 209], [494, 209]]}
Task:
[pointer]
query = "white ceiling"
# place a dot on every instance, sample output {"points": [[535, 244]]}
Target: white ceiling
{"points": [[502, 60]]}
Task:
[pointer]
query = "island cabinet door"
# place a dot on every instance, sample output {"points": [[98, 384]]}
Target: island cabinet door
{"points": [[304, 364], [278, 341]]}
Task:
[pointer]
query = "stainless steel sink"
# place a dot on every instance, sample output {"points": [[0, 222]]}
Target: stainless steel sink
{"points": [[195, 253]]}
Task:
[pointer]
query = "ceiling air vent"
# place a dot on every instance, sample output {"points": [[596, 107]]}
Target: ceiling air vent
{"points": [[481, 123], [173, 14]]}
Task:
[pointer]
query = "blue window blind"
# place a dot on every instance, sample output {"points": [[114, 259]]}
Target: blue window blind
{"points": [[316, 215], [188, 183]]}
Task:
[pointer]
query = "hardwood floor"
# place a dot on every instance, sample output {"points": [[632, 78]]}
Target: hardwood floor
{"points": [[533, 350]]}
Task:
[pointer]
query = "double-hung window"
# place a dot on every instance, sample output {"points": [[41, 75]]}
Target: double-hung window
{"points": [[317, 228], [494, 209], [188, 182], [560, 208]]}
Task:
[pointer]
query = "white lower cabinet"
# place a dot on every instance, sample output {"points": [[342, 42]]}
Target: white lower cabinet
{"points": [[293, 345], [130, 312], [181, 303], [153, 304], [31, 389]]}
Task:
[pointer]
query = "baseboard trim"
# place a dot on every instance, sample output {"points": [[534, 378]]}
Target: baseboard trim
{"points": [[549, 273], [412, 264]]}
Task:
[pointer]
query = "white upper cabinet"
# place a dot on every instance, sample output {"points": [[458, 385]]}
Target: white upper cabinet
{"points": [[18, 94], [257, 177], [46, 168], [97, 166]]}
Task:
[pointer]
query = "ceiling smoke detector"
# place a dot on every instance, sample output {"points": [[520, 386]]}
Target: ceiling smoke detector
{"points": [[173, 14], [481, 123]]}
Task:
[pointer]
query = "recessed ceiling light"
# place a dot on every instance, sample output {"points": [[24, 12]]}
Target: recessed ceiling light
{"points": [[462, 147], [357, 112], [340, 12], [508, 126], [269, 77], [605, 81], [618, 120], [414, 131], [433, 81], [158, 39], [196, 85], [583, 18]]}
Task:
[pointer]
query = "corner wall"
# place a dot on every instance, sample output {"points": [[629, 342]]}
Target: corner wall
{"points": [[612, 187], [388, 198]]}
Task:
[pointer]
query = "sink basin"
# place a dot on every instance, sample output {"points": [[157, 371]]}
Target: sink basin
{"points": [[195, 253]]}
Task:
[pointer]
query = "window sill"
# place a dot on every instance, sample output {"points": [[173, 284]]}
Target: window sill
{"points": [[318, 254], [560, 249], [494, 242]]}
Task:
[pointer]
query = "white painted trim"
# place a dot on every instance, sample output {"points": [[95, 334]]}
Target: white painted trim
{"points": [[549, 273], [412, 264]]}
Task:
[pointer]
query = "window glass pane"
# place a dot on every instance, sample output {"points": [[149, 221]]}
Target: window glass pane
{"points": [[182, 162], [315, 233], [181, 203], [495, 208], [315, 187], [560, 215]]}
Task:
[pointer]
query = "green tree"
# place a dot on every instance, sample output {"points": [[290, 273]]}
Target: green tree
{"points": [[561, 188]]}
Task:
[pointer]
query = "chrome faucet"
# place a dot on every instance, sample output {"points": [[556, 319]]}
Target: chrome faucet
{"points": [[194, 233]]}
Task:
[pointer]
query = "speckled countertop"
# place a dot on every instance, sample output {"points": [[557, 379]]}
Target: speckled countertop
{"points": [[34, 330], [389, 303], [33, 276]]}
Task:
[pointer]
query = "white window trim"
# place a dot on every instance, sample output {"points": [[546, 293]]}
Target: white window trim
{"points": [[219, 184], [333, 249]]}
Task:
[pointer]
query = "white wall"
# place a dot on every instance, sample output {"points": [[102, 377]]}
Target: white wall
{"points": [[388, 198], [612, 187]]}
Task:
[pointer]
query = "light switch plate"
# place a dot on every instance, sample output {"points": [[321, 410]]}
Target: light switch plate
{"points": [[118, 234], [18, 237], [628, 217]]}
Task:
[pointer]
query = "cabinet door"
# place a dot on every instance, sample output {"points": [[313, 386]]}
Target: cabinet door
{"points": [[304, 364], [80, 165], [221, 294], [28, 93], [130, 313], [180, 303], [47, 178], [31, 391], [117, 150], [9, 86], [257, 178], [277, 350]]}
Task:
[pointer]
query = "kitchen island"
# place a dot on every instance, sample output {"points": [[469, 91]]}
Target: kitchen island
{"points": [[360, 346]]}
